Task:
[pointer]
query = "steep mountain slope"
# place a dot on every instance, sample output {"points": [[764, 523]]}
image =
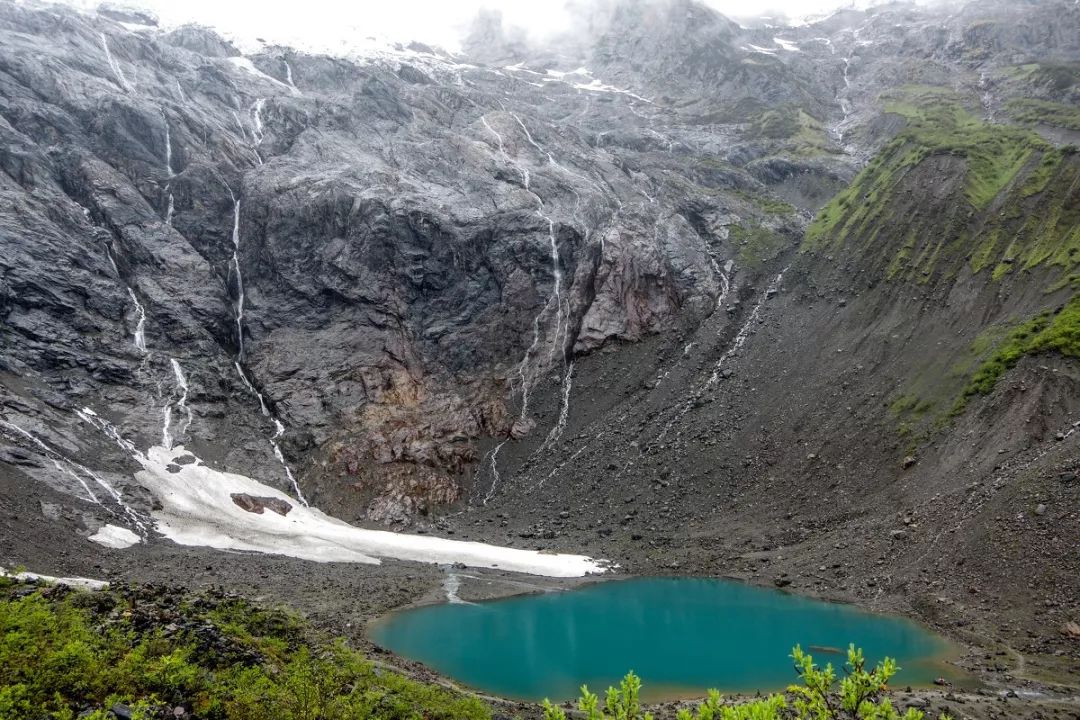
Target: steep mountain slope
{"points": [[590, 296]]}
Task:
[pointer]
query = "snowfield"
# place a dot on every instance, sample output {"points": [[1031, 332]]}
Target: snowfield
{"points": [[197, 510]]}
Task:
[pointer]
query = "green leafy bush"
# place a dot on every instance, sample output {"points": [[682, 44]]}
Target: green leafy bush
{"points": [[859, 696], [65, 653]]}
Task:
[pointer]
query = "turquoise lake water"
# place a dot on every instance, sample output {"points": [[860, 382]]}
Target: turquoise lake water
{"points": [[681, 635]]}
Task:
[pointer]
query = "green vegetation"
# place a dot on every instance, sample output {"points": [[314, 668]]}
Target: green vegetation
{"points": [[1057, 78], [910, 403], [766, 204], [803, 134], [861, 695], [757, 245], [67, 654], [1015, 206], [1051, 331], [1027, 110]]}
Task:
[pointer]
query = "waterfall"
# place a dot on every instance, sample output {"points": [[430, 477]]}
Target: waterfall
{"points": [[168, 144], [279, 427], [239, 279], [256, 120], [556, 271], [92, 418], [498, 137], [140, 326], [494, 472], [279, 430], [240, 125], [80, 474], [252, 390], [837, 130], [169, 169], [564, 410], [115, 66], [288, 77], [725, 280], [551, 160], [166, 426], [736, 345], [140, 311], [525, 373], [288, 472], [744, 331], [180, 91], [182, 389]]}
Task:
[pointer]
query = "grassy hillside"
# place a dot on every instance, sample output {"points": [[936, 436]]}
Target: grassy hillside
{"points": [[952, 196], [67, 654], [1014, 206]]}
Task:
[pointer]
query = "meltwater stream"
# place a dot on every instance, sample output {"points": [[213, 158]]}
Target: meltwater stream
{"points": [[682, 636]]}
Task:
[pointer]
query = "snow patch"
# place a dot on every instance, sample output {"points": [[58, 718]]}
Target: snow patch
{"points": [[245, 64], [115, 537], [786, 44], [197, 510], [76, 582]]}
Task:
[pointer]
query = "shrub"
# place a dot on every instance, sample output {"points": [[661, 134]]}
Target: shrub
{"points": [[860, 696], [65, 654]]}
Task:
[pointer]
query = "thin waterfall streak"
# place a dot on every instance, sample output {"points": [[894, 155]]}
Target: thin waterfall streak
{"points": [[168, 144], [289, 78], [744, 332], [556, 271], [68, 471], [525, 373], [239, 280], [182, 390], [252, 390], [166, 425], [494, 472], [498, 137], [113, 433], [140, 325], [256, 120], [240, 124], [53, 455], [92, 418], [279, 430], [69, 467], [170, 205], [115, 66], [288, 473], [736, 345], [564, 410], [551, 160], [725, 280]]}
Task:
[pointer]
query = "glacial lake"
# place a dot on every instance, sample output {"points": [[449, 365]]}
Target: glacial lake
{"points": [[681, 635]]}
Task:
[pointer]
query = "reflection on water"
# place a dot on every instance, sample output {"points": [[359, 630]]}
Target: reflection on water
{"points": [[681, 635]]}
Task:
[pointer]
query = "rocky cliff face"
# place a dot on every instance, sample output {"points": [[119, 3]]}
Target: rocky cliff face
{"points": [[567, 293], [383, 255]]}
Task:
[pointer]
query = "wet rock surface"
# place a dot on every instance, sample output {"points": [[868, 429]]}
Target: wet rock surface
{"points": [[392, 270], [257, 505]]}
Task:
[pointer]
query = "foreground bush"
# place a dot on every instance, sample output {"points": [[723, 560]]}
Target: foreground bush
{"points": [[148, 654], [860, 696]]}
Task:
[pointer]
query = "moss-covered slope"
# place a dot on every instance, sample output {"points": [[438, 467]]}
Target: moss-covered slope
{"points": [[952, 190], [954, 198]]}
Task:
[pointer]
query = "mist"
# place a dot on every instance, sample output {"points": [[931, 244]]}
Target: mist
{"points": [[333, 26]]}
